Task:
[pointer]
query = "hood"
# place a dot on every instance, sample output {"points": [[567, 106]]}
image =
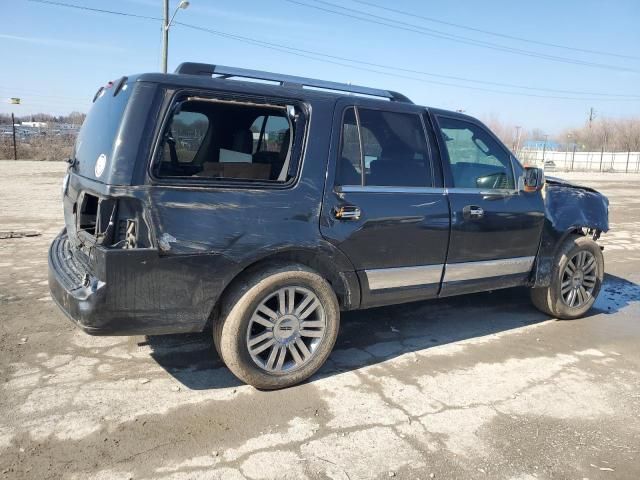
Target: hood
{"points": [[567, 183]]}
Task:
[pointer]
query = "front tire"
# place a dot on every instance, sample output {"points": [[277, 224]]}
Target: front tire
{"points": [[576, 280], [278, 326]]}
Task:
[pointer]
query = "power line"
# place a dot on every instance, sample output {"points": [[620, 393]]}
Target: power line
{"points": [[309, 54], [409, 27], [495, 34], [333, 59], [98, 10]]}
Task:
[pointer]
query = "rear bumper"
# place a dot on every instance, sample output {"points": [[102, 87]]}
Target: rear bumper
{"points": [[79, 294], [122, 292]]}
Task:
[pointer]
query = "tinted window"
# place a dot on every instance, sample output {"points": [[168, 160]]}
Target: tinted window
{"points": [[349, 170], [477, 160], [187, 133], [395, 149], [100, 128], [270, 133], [392, 148]]}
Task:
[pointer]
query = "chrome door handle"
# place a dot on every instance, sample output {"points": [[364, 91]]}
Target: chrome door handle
{"points": [[347, 212], [472, 212]]}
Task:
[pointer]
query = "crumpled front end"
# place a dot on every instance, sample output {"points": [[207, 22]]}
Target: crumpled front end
{"points": [[569, 209]]}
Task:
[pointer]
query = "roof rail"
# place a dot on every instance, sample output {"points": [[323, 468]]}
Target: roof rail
{"points": [[190, 68]]}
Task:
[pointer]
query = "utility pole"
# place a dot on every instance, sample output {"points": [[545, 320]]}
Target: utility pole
{"points": [[13, 126], [516, 146], [165, 35], [544, 147], [592, 116]]}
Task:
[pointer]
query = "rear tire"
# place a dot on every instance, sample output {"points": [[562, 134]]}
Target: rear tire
{"points": [[277, 326], [575, 281]]}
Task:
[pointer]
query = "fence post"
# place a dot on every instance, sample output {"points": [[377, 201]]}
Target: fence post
{"points": [[626, 169], [573, 156], [13, 126], [601, 156]]}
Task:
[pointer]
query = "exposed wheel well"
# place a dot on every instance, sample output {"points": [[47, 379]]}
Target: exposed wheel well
{"points": [[320, 265]]}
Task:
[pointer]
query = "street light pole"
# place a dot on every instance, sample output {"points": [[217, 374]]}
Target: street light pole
{"points": [[165, 35], [166, 24]]}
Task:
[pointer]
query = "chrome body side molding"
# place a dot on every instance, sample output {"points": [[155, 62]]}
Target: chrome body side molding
{"points": [[404, 277], [401, 277], [456, 272]]}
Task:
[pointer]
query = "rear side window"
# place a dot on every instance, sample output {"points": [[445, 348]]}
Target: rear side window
{"points": [[391, 150], [476, 159], [187, 133], [225, 140], [349, 170]]}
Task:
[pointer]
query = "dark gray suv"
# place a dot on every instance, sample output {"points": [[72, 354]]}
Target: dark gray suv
{"points": [[260, 209]]}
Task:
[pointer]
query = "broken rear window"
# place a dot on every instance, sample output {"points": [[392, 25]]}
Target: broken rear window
{"points": [[229, 140]]}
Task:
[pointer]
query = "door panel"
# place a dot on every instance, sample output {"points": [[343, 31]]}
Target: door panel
{"points": [[385, 210], [399, 241], [509, 227], [495, 228]]}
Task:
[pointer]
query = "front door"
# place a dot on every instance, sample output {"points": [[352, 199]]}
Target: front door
{"points": [[495, 227], [385, 206]]}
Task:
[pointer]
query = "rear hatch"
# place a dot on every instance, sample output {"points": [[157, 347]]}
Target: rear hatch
{"points": [[92, 156], [88, 210]]}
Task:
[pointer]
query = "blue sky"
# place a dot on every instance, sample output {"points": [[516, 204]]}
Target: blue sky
{"points": [[55, 58]]}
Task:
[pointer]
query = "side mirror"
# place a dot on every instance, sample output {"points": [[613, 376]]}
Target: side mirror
{"points": [[533, 179]]}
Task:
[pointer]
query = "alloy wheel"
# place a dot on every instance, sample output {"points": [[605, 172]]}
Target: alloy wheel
{"points": [[285, 329], [579, 279]]}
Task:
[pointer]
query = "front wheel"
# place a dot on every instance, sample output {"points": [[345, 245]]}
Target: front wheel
{"points": [[277, 326], [576, 280]]}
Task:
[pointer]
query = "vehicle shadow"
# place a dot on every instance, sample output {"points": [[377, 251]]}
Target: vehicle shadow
{"points": [[371, 336]]}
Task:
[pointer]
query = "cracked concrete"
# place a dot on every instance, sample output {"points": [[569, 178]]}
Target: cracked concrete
{"points": [[480, 386]]}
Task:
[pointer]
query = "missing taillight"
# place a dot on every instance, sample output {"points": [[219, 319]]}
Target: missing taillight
{"points": [[95, 217], [88, 214]]}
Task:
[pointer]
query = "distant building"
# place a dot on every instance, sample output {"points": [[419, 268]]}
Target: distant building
{"points": [[34, 124]]}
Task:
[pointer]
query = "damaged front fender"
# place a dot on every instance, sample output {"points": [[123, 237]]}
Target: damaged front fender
{"points": [[569, 208]]}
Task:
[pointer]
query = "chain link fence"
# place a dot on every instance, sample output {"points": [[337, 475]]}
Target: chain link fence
{"points": [[45, 142]]}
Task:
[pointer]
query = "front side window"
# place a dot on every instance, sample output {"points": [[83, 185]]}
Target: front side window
{"points": [[476, 159], [390, 148], [228, 140]]}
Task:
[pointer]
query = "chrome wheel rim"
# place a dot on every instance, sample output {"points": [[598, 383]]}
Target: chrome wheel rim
{"points": [[579, 279], [286, 329]]}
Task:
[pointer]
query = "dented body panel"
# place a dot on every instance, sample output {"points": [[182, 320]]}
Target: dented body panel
{"points": [[569, 208], [146, 255]]}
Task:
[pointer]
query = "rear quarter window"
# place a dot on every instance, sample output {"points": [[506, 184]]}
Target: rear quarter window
{"points": [[218, 140]]}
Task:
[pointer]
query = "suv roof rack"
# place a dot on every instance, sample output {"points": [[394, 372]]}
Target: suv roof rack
{"points": [[191, 68]]}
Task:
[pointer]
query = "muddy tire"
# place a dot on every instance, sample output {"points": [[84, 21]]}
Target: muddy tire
{"points": [[575, 282], [277, 326]]}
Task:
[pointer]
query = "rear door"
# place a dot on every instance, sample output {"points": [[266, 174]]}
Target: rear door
{"points": [[495, 227], [384, 204]]}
